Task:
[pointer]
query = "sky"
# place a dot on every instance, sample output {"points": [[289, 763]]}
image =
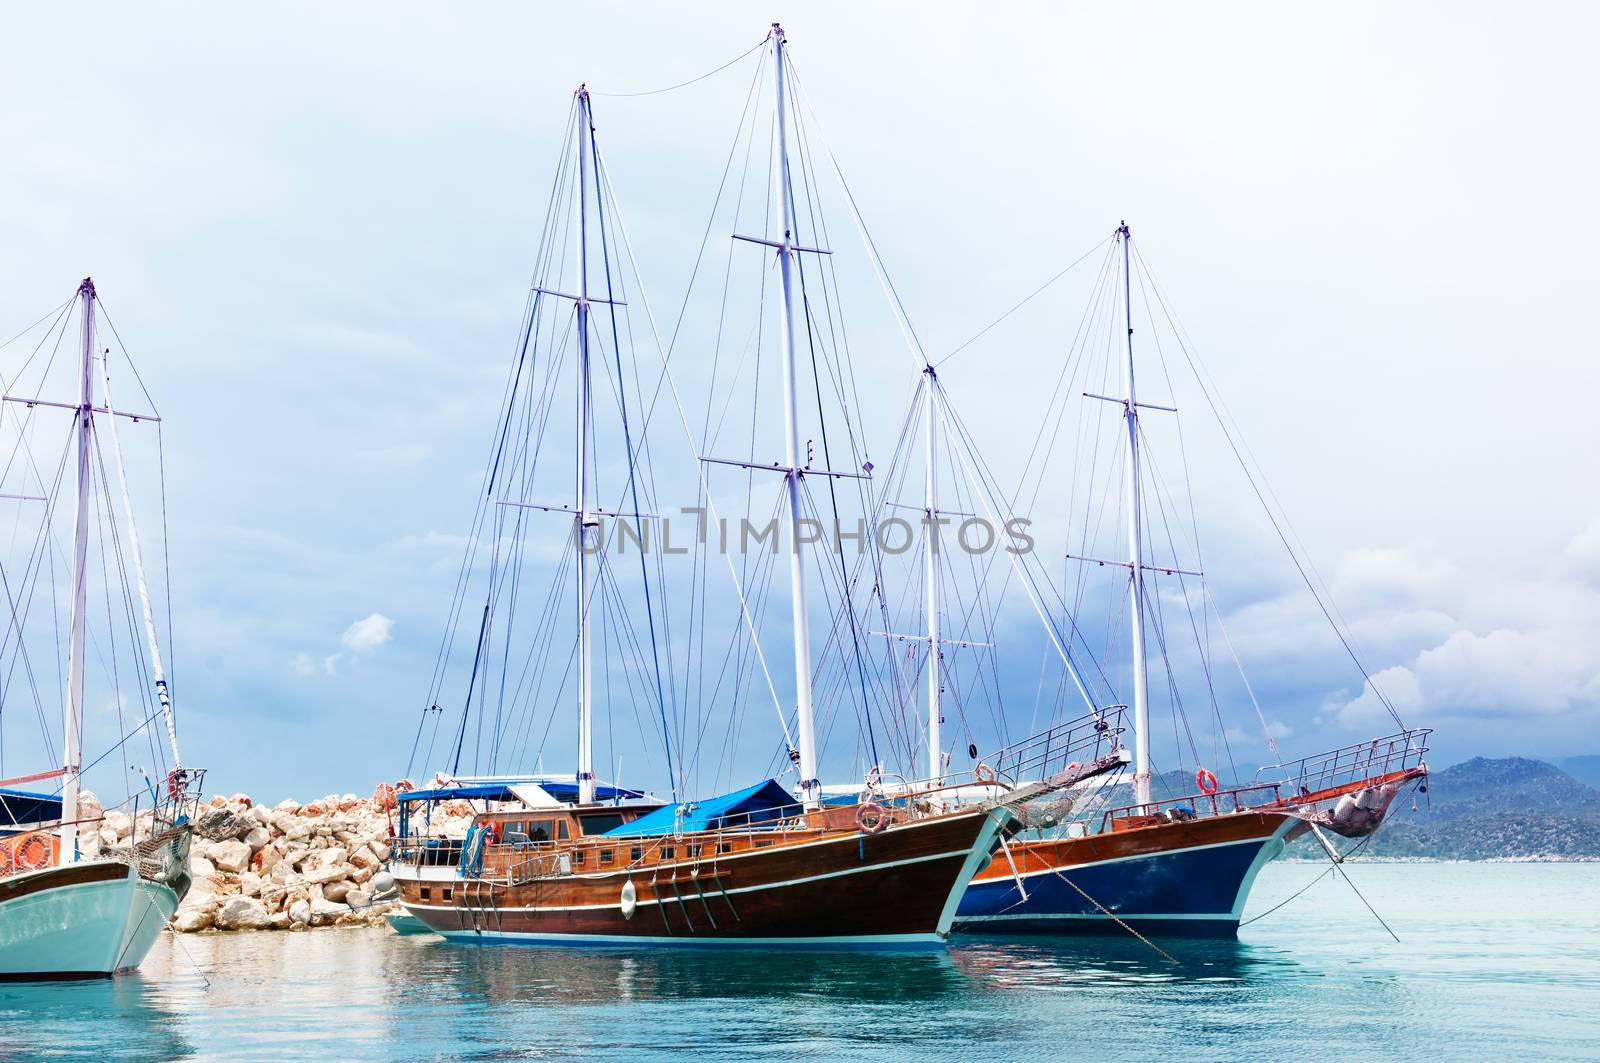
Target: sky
{"points": [[314, 229]]}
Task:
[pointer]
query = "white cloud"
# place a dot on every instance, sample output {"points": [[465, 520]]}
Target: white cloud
{"points": [[302, 665], [1522, 647], [368, 633]]}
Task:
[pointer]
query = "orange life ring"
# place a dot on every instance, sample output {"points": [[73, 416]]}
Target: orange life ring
{"points": [[1206, 781], [872, 817], [31, 853], [983, 773]]}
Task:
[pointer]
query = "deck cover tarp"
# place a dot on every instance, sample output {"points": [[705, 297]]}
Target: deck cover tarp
{"points": [[764, 802], [20, 806]]}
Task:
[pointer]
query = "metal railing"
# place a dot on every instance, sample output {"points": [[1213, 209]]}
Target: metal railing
{"points": [[1398, 752], [1078, 741]]}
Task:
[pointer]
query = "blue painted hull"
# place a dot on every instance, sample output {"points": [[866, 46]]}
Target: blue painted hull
{"points": [[1192, 891]]}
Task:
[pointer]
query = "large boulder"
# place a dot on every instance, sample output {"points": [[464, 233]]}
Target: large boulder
{"points": [[221, 824], [193, 917], [230, 855], [300, 912], [242, 913], [257, 837], [200, 867]]}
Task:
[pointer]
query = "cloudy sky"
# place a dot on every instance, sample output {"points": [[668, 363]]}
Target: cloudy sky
{"points": [[314, 228]]}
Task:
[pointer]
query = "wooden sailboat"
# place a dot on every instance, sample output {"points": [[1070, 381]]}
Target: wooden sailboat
{"points": [[1182, 864], [63, 912], [590, 865]]}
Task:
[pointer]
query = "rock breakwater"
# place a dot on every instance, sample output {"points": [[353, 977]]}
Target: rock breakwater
{"points": [[287, 867]]}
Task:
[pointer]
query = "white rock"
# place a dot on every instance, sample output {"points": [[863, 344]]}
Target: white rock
{"points": [[120, 822], [358, 898], [298, 831], [326, 909], [230, 855], [257, 838], [286, 805], [189, 919], [250, 884], [364, 857], [242, 913], [200, 867], [328, 873], [336, 891], [89, 806]]}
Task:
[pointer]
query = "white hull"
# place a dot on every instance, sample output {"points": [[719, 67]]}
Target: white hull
{"points": [[85, 928]]}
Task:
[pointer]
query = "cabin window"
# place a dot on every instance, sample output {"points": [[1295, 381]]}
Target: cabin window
{"points": [[602, 822], [606, 855], [692, 850], [449, 893], [577, 856], [561, 829], [636, 854], [426, 893], [761, 843], [668, 852], [724, 847], [541, 830]]}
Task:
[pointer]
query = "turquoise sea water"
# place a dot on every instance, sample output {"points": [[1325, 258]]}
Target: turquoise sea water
{"points": [[1494, 961]]}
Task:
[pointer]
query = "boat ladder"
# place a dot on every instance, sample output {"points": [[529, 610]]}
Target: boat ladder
{"points": [[480, 899], [692, 887]]}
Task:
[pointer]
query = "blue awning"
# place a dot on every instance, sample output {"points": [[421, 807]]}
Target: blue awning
{"points": [[20, 806], [765, 802], [501, 791]]}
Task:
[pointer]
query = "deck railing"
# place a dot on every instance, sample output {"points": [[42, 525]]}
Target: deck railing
{"points": [[1078, 741], [1401, 751]]}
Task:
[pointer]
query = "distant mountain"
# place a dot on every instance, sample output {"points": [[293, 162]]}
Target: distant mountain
{"points": [[1511, 808], [1585, 769]]}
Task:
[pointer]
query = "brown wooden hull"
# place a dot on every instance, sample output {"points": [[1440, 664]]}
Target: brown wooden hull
{"points": [[900, 887]]}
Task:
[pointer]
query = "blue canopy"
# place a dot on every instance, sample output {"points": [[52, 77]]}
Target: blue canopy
{"points": [[20, 806], [763, 803], [501, 791]]}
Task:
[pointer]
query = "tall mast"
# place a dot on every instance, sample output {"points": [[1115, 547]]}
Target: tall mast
{"points": [[810, 787], [585, 526], [72, 758], [931, 567], [1141, 685]]}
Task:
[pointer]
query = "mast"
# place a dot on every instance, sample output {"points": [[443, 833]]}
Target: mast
{"points": [[72, 756], [810, 787], [1141, 686], [930, 565], [586, 527]]}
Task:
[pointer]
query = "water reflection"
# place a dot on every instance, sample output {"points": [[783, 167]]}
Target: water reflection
{"points": [[64, 1020], [1473, 975]]}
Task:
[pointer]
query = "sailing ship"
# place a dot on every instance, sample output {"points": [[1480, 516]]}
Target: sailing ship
{"points": [[70, 905], [1184, 863], [582, 862]]}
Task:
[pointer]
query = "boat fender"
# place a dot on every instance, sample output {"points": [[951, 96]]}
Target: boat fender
{"points": [[382, 884], [871, 818], [630, 899], [1206, 780]]}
